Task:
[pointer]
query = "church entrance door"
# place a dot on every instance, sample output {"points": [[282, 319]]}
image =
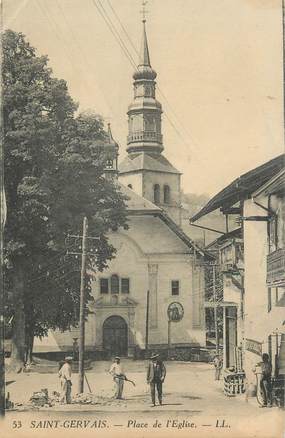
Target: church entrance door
{"points": [[115, 336]]}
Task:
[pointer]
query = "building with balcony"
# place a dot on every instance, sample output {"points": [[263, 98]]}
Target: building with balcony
{"points": [[257, 257], [269, 200], [229, 257]]}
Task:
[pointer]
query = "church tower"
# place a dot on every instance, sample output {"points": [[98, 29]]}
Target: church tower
{"points": [[111, 153], [145, 169]]}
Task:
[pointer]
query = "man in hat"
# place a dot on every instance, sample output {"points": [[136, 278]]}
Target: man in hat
{"points": [[155, 377], [65, 380], [265, 380], [117, 372]]}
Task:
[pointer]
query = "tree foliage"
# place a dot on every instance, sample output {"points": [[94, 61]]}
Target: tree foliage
{"points": [[54, 176]]}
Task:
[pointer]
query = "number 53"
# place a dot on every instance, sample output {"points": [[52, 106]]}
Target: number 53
{"points": [[16, 424]]}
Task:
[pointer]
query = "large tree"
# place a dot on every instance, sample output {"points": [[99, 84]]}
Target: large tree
{"points": [[54, 176]]}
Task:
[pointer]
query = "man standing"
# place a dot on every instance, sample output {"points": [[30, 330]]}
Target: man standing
{"points": [[218, 364], [265, 381], [65, 380], [117, 372], [155, 377]]}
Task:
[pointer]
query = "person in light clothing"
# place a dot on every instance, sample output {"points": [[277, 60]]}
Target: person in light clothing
{"points": [[65, 380], [218, 364], [117, 372]]}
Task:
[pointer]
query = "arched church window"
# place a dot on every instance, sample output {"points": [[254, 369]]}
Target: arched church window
{"points": [[115, 284], [156, 194], [166, 194]]}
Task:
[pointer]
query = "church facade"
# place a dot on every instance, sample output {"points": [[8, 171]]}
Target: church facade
{"points": [[158, 269]]}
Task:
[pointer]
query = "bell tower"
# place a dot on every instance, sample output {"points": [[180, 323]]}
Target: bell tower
{"points": [[145, 170], [144, 113]]}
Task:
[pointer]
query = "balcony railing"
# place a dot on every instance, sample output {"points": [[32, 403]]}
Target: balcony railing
{"points": [[276, 268], [145, 136]]}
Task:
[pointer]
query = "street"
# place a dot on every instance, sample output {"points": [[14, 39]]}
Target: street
{"points": [[193, 403]]}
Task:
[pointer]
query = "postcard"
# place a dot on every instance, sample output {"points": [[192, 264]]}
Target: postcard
{"points": [[142, 218]]}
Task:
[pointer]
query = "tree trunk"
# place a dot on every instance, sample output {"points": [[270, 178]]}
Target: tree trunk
{"points": [[29, 347], [17, 359]]}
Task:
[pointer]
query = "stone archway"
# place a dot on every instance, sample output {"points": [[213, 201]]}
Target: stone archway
{"points": [[115, 336]]}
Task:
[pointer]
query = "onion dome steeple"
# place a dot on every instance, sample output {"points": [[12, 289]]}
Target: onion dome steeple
{"points": [[145, 111], [144, 68]]}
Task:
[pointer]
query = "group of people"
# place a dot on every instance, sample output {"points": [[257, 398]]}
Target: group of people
{"points": [[156, 373], [263, 368]]}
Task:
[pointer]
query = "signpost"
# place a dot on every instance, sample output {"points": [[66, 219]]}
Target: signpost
{"points": [[175, 313], [146, 323], [253, 346], [82, 310]]}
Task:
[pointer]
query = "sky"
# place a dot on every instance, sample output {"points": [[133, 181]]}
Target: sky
{"points": [[219, 73]]}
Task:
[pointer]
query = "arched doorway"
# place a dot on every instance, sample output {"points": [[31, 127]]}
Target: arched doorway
{"points": [[115, 336]]}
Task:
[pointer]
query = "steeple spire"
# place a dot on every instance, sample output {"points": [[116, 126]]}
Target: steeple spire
{"points": [[111, 140], [144, 53]]}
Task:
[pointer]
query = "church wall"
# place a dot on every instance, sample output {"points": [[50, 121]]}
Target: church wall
{"points": [[173, 181], [153, 236], [135, 179], [184, 331], [153, 272], [150, 264]]}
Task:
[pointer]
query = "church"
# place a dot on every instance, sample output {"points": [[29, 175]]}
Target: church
{"points": [[157, 275]]}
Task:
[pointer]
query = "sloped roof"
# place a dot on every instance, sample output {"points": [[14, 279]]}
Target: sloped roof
{"points": [[237, 233], [183, 236], [137, 203], [146, 161], [275, 185], [242, 187]]}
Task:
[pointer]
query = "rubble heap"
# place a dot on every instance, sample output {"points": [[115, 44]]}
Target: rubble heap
{"points": [[41, 398]]}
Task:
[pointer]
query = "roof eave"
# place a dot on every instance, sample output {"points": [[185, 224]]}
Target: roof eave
{"points": [[180, 233]]}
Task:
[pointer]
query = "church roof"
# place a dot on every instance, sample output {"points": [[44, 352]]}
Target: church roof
{"points": [[146, 161], [137, 205]]}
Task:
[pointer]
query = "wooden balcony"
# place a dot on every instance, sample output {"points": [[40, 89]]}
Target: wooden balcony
{"points": [[276, 268]]}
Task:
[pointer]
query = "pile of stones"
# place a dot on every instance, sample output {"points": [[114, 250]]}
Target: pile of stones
{"points": [[42, 399]]}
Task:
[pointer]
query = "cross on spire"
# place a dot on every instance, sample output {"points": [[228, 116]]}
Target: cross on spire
{"points": [[144, 11]]}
